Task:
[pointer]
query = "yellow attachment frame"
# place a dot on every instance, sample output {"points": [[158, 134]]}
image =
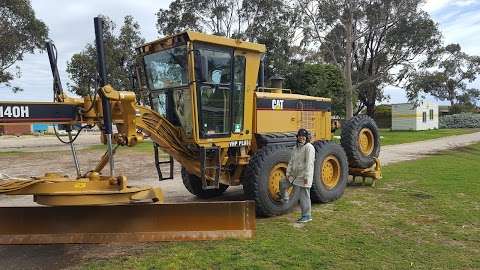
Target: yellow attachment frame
{"points": [[54, 189], [374, 172], [93, 188]]}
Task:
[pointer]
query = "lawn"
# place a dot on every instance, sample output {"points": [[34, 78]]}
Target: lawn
{"points": [[389, 137], [145, 146], [411, 220], [397, 137]]}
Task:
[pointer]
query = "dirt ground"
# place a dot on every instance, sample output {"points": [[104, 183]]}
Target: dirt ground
{"points": [[46, 155], [137, 166], [31, 143]]}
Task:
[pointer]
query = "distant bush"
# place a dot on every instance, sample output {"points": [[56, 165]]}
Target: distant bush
{"points": [[383, 116], [462, 120]]}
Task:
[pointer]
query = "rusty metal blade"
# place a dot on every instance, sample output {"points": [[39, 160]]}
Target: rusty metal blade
{"points": [[127, 223]]}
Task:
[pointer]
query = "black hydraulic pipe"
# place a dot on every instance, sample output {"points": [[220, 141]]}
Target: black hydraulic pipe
{"points": [[52, 57], [262, 72], [102, 72]]}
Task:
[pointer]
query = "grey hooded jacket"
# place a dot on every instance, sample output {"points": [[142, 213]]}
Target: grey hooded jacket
{"points": [[301, 164]]}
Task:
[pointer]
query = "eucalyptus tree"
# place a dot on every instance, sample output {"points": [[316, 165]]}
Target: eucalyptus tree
{"points": [[370, 40], [21, 33]]}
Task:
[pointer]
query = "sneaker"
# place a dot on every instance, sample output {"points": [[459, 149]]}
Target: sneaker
{"points": [[283, 199], [304, 219]]}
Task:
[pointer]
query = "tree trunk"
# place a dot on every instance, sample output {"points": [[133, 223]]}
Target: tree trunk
{"points": [[371, 99], [348, 64], [371, 109]]}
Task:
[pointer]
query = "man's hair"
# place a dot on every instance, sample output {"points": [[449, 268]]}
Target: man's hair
{"points": [[303, 132]]}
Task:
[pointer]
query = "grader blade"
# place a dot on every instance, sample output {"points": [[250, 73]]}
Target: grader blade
{"points": [[127, 223]]}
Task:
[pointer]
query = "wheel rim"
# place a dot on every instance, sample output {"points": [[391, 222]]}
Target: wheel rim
{"points": [[366, 141], [330, 172], [277, 173]]}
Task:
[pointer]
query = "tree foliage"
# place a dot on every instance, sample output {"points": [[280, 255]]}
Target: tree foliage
{"points": [[119, 53], [385, 35], [20, 33], [321, 80], [447, 73], [271, 22]]}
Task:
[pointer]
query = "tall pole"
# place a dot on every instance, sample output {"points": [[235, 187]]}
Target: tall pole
{"points": [[102, 72], [348, 63]]}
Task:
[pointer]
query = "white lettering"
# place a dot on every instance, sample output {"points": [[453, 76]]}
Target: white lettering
{"points": [[8, 111], [277, 104], [24, 111], [16, 111], [239, 143]]}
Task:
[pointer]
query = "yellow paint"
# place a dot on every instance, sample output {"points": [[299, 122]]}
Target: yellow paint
{"points": [[80, 185], [330, 171], [276, 175], [366, 141], [317, 122], [131, 118]]}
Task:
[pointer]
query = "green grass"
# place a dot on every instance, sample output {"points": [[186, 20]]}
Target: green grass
{"points": [[10, 153], [389, 137], [398, 137], [145, 146], [411, 220]]}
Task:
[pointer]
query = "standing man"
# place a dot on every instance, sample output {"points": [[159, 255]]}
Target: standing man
{"points": [[300, 174]]}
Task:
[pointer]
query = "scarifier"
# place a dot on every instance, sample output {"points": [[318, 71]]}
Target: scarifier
{"points": [[209, 111]]}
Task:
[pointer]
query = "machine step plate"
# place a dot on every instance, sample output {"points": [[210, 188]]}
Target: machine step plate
{"points": [[127, 223]]}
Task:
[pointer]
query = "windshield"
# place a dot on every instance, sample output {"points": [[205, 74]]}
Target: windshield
{"points": [[167, 68]]}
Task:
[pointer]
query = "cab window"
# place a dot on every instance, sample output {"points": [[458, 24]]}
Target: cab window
{"points": [[214, 89], [238, 93]]}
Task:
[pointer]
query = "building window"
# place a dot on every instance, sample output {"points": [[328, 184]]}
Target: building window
{"points": [[431, 114], [424, 117]]}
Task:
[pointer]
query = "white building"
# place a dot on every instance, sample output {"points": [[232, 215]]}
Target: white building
{"points": [[406, 116]]}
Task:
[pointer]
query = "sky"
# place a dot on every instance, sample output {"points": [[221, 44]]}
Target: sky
{"points": [[70, 26]]}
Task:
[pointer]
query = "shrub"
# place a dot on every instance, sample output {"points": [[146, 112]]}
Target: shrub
{"points": [[463, 120], [319, 80]]}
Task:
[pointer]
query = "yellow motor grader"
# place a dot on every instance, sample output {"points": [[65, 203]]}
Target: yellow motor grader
{"points": [[209, 111]]}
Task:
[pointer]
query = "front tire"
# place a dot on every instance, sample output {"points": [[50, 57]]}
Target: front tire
{"points": [[193, 184], [261, 180], [331, 172]]}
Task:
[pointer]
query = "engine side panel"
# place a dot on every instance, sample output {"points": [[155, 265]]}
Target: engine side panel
{"points": [[280, 112]]}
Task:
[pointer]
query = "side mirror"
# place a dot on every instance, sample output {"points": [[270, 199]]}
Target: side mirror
{"points": [[201, 67]]}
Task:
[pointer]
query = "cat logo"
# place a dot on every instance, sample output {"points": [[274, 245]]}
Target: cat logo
{"points": [[277, 104]]}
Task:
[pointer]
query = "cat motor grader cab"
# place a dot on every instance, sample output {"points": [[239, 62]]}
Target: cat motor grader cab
{"points": [[209, 111]]}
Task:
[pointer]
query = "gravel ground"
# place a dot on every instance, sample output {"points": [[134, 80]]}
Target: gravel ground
{"points": [[33, 143], [140, 169], [409, 151]]}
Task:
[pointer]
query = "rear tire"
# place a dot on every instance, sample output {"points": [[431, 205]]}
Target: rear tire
{"points": [[361, 140], [331, 172], [260, 176], [193, 184]]}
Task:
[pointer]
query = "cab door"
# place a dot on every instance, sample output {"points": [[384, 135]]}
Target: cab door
{"points": [[214, 84]]}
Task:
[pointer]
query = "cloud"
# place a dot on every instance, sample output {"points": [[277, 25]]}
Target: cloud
{"points": [[432, 6], [459, 22], [70, 26]]}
